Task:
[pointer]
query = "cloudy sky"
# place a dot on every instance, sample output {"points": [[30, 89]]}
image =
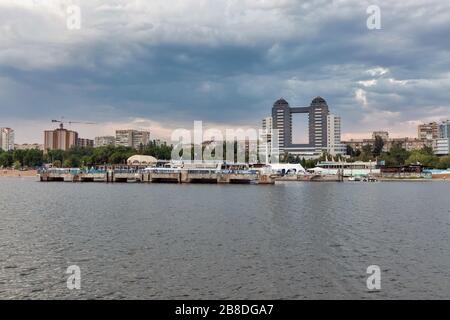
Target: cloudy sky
{"points": [[161, 64]]}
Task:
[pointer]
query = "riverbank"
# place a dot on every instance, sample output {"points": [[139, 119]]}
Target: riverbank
{"points": [[438, 178], [17, 173]]}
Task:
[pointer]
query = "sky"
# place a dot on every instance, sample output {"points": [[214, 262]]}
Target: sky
{"points": [[161, 64]]}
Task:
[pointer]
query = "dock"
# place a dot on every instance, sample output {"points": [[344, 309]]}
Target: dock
{"points": [[156, 175]]}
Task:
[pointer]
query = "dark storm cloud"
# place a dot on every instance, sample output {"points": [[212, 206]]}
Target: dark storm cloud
{"points": [[228, 62]]}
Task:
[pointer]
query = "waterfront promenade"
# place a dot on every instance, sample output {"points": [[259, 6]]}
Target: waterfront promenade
{"points": [[157, 175]]}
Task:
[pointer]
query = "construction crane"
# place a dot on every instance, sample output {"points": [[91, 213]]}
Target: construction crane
{"points": [[62, 122]]}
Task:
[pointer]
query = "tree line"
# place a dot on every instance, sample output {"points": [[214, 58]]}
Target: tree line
{"points": [[89, 156], [396, 156], [81, 156], [399, 156]]}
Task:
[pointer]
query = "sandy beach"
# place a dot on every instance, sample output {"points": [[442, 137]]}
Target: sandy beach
{"points": [[17, 173]]}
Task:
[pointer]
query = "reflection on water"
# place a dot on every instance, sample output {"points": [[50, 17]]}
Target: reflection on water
{"points": [[291, 240]]}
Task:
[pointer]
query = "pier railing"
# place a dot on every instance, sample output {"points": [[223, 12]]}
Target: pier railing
{"points": [[155, 175]]}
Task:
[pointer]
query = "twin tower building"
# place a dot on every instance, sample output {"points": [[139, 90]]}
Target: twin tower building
{"points": [[324, 130]]}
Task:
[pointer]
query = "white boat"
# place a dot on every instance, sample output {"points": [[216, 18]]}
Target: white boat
{"points": [[357, 168]]}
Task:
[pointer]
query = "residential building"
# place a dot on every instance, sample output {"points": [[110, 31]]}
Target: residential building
{"points": [[140, 138], [29, 146], [334, 145], [428, 131], [265, 144], [132, 138], [159, 142], [382, 134], [358, 144], [409, 144], [6, 139], [441, 146], [104, 141], [444, 130], [60, 139], [81, 142]]}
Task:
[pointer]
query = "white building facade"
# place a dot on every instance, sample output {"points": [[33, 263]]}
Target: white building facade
{"points": [[132, 138], [441, 145], [265, 141], [334, 145], [104, 141], [6, 139]]}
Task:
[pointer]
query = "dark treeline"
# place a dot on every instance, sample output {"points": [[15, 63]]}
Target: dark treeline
{"points": [[81, 156], [396, 156], [88, 156], [399, 156]]}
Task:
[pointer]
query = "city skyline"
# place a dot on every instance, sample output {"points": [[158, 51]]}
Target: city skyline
{"points": [[137, 125], [150, 66]]}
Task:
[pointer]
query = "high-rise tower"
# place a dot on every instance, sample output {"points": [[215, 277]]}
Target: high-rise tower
{"points": [[318, 112]]}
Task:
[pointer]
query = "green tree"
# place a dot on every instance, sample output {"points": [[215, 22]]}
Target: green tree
{"points": [[68, 163], [88, 156], [5, 159], [86, 161], [303, 162], [427, 150], [57, 163], [350, 151], [17, 165], [101, 155], [119, 158], [366, 153], [444, 162], [378, 146], [53, 155], [19, 155], [396, 155], [311, 163], [162, 152], [290, 158], [422, 157], [33, 158]]}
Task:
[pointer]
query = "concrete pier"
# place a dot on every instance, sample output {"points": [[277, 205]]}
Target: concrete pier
{"points": [[157, 175]]}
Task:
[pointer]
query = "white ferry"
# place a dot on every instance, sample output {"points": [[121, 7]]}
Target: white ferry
{"points": [[351, 169]]}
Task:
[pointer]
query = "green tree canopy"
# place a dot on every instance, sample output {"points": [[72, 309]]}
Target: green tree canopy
{"points": [[378, 146]]}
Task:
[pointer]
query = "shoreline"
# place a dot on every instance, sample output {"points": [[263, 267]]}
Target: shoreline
{"points": [[11, 173], [413, 180], [17, 173]]}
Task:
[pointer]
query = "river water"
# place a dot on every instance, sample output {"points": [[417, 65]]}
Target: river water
{"points": [[169, 241]]}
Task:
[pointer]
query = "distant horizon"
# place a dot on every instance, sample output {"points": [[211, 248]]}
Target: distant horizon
{"points": [[163, 131], [106, 131]]}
